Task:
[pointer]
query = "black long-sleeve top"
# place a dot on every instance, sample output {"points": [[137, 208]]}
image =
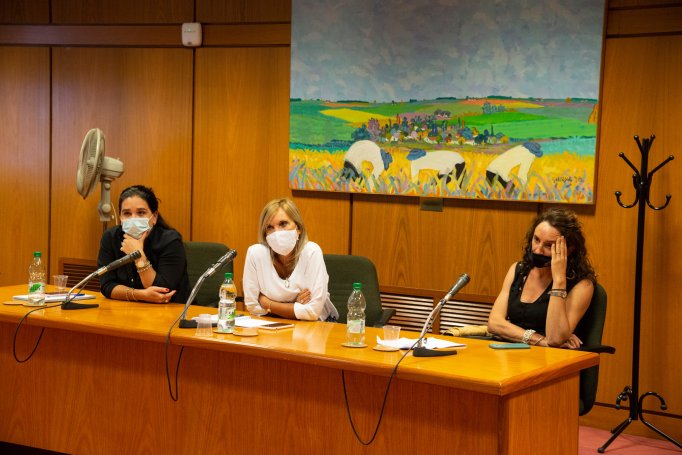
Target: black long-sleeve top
{"points": [[163, 248]]}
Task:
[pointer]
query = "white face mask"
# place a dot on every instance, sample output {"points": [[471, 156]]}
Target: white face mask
{"points": [[282, 242], [135, 227]]}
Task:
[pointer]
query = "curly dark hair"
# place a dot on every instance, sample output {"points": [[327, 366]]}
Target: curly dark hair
{"points": [[566, 222]]}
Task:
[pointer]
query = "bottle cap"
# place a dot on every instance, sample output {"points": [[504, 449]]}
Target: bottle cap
{"points": [[357, 285], [228, 275], [36, 254]]}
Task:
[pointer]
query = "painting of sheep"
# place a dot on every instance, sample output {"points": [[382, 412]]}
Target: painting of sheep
{"points": [[503, 105]]}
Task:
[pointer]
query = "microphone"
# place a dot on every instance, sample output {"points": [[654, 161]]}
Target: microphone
{"points": [[228, 257], [420, 350], [127, 259], [70, 305], [461, 282]]}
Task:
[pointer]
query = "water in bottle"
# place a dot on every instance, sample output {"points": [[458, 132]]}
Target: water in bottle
{"points": [[355, 326], [227, 305], [36, 281]]}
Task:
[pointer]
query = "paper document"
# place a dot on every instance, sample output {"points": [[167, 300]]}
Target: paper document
{"points": [[430, 343], [214, 318], [247, 321], [60, 297]]}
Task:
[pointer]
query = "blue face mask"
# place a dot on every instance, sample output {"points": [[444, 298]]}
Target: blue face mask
{"points": [[135, 227]]}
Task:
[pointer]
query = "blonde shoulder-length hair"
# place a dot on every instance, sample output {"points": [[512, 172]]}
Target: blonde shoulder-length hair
{"points": [[292, 212]]}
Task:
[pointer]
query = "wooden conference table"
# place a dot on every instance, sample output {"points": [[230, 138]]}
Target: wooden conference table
{"points": [[97, 384]]}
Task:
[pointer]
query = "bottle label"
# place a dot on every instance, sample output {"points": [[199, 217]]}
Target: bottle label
{"points": [[356, 326], [36, 287]]}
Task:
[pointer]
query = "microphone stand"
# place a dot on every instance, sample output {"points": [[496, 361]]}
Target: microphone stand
{"points": [[420, 350], [189, 324], [69, 304]]}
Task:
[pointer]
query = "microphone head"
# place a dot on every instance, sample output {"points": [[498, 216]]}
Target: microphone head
{"points": [[136, 254]]}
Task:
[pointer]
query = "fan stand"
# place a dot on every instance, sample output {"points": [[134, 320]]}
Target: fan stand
{"points": [[104, 208]]}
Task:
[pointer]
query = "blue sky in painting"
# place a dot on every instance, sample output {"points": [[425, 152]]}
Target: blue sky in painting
{"points": [[400, 49]]}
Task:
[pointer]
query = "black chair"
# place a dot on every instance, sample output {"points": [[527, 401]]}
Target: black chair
{"points": [[589, 330], [200, 256], [343, 271]]}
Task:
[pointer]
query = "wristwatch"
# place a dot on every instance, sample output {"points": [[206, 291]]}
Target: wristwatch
{"points": [[558, 293]]}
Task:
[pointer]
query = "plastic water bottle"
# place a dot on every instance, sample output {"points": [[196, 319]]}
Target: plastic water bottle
{"points": [[355, 321], [36, 281], [227, 305]]}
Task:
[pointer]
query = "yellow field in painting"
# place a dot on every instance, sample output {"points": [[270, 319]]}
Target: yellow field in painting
{"points": [[352, 116], [564, 177]]}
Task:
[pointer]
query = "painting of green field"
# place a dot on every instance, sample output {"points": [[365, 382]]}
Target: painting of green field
{"points": [[477, 130]]}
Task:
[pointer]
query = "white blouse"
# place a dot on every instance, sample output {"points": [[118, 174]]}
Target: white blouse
{"points": [[260, 277]]}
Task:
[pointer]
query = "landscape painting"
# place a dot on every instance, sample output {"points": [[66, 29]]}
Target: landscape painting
{"points": [[452, 98]]}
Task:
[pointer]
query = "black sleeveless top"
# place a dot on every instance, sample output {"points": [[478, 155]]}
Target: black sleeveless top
{"points": [[530, 315]]}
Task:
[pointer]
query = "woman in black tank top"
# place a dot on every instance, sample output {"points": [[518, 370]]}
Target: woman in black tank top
{"points": [[545, 295]]}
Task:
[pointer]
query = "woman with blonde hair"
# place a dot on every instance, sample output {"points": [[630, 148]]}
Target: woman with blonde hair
{"points": [[284, 273]]}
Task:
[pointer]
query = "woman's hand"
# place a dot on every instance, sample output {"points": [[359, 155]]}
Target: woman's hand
{"points": [[559, 262], [304, 296], [130, 244], [573, 342], [154, 294]]}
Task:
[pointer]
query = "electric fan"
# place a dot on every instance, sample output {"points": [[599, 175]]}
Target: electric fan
{"points": [[93, 166]]}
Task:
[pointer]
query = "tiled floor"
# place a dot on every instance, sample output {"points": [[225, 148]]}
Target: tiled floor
{"points": [[592, 438]]}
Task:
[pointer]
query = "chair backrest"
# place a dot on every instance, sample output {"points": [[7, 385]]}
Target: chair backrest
{"points": [[200, 256], [589, 330], [343, 271]]}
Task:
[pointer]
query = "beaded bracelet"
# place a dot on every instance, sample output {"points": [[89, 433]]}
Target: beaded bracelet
{"points": [[527, 335]]}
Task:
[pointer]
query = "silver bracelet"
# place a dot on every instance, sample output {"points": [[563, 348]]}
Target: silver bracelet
{"points": [[527, 336]]}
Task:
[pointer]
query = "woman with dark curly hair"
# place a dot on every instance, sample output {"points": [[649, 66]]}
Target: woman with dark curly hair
{"points": [[545, 295]]}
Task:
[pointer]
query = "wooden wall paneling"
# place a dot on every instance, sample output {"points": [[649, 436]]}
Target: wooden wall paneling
{"points": [[144, 35], [327, 218], [613, 4], [221, 11], [657, 20], [661, 313], [430, 250], [122, 11], [642, 103], [241, 110], [241, 150], [24, 11], [142, 100], [25, 152], [92, 35]]}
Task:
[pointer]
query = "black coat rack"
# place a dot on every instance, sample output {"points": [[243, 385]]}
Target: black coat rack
{"points": [[641, 180]]}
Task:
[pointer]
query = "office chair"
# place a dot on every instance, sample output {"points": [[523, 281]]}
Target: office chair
{"points": [[200, 256], [343, 271], [589, 330]]}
